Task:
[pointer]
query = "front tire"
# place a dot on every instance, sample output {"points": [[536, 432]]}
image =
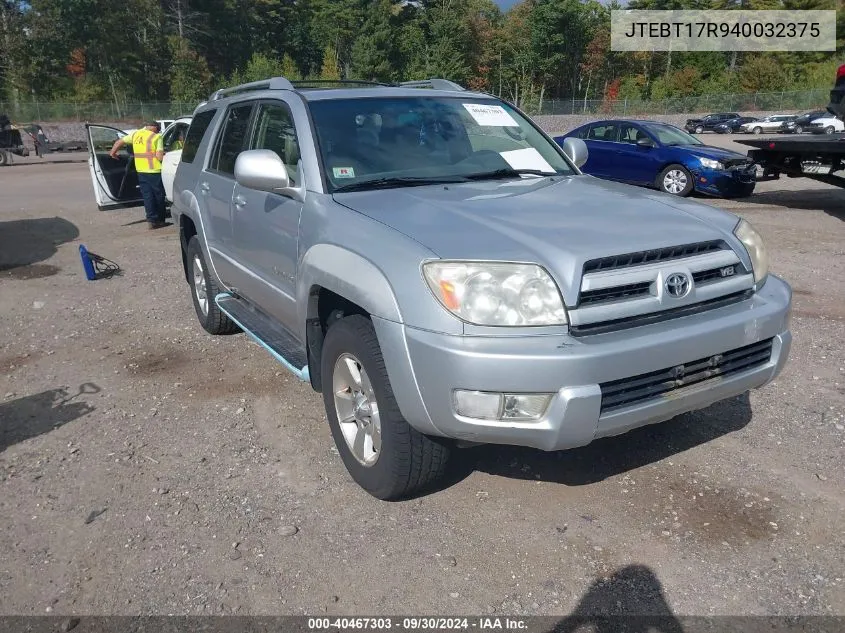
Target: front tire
{"points": [[699, 130], [676, 180], [799, 129], [384, 454], [757, 130], [829, 129], [204, 289]]}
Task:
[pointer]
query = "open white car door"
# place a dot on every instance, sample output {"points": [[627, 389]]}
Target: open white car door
{"points": [[115, 180], [173, 137]]}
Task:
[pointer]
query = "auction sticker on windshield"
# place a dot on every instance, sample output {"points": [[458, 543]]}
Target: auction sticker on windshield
{"points": [[490, 115], [343, 172]]}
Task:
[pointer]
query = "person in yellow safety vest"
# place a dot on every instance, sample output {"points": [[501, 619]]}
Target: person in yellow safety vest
{"points": [[148, 150]]}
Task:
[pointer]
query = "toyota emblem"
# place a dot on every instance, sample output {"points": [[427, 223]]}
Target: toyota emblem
{"points": [[677, 285]]}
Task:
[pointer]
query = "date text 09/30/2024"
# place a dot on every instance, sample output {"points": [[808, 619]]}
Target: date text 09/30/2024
{"points": [[418, 624]]}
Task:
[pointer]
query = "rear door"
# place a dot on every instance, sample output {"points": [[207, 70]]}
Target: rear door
{"points": [[115, 180], [266, 225], [216, 186], [601, 142]]}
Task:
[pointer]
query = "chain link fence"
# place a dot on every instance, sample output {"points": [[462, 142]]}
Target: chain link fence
{"points": [[136, 112], [748, 102], [46, 112]]}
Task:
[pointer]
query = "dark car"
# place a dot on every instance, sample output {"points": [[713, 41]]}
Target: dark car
{"points": [[803, 121], [733, 126], [663, 156], [10, 141], [709, 122], [837, 96]]}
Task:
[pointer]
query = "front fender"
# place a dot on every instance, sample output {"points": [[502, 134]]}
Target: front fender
{"points": [[349, 275]]}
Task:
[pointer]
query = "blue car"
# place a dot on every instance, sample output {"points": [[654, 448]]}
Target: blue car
{"points": [[663, 156]]}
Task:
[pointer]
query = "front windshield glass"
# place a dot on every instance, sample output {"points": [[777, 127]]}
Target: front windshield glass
{"points": [[369, 142], [670, 135]]}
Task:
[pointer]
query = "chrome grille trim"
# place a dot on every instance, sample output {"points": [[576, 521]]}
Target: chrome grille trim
{"points": [[625, 294]]}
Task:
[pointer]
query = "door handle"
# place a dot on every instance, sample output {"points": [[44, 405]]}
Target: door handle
{"points": [[239, 201], [204, 187]]}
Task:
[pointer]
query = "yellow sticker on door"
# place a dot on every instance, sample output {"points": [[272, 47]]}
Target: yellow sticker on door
{"points": [[343, 172]]}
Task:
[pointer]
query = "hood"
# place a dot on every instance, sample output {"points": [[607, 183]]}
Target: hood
{"points": [[559, 223], [716, 153]]}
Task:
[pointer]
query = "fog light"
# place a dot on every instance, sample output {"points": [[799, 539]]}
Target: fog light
{"points": [[486, 405]]}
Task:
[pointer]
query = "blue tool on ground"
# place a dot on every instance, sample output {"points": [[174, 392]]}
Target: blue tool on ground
{"points": [[97, 266]]}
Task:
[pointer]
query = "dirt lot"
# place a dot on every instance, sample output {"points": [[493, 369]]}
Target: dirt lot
{"points": [[149, 468]]}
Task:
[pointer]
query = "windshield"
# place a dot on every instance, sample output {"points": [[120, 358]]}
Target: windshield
{"points": [[670, 135], [371, 142]]}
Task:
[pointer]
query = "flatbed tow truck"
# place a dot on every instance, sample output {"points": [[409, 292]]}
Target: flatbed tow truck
{"points": [[803, 156], [806, 156]]}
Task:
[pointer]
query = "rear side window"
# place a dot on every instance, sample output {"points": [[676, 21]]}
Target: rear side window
{"points": [[603, 132], [233, 139], [196, 131]]}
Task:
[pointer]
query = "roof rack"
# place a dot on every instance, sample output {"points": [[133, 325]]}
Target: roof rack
{"points": [[320, 82], [435, 83], [275, 83]]}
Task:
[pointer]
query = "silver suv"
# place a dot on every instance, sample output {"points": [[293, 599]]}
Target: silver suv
{"points": [[440, 269]]}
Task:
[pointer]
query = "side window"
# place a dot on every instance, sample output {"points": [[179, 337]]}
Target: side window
{"points": [[274, 130], [630, 134], [603, 132], [232, 140], [582, 133], [174, 138], [197, 129]]}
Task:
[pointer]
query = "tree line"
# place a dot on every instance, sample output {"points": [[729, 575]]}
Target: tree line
{"points": [[83, 51]]}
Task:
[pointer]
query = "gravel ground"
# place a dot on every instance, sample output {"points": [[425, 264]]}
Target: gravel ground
{"points": [[149, 468]]}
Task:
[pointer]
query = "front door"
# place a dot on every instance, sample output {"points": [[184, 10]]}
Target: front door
{"points": [[634, 162], [266, 225], [115, 180]]}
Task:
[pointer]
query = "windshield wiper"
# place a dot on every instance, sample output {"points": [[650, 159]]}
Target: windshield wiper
{"points": [[507, 173], [399, 181]]}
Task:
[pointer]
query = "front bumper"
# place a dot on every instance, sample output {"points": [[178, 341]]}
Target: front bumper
{"points": [[425, 367], [725, 182]]}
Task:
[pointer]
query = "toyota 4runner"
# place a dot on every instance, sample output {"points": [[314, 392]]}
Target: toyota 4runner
{"points": [[441, 271]]}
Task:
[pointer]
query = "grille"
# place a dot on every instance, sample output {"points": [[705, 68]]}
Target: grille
{"points": [[617, 293], [737, 163], [651, 256], [627, 391]]}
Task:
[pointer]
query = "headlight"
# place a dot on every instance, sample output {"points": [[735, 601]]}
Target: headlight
{"points": [[756, 249], [711, 164], [490, 293]]}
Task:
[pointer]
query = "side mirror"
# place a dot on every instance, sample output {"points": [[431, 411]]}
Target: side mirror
{"points": [[263, 170], [576, 150], [645, 142]]}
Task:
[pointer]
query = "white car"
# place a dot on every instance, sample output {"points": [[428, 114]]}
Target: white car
{"points": [[825, 125], [115, 181], [771, 123], [162, 125]]}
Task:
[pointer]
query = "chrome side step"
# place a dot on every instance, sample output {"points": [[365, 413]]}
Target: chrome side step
{"points": [[270, 335]]}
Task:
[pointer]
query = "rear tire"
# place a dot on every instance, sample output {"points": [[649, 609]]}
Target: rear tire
{"points": [[391, 459], [829, 129], [204, 289], [799, 129], [675, 179], [5, 158]]}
